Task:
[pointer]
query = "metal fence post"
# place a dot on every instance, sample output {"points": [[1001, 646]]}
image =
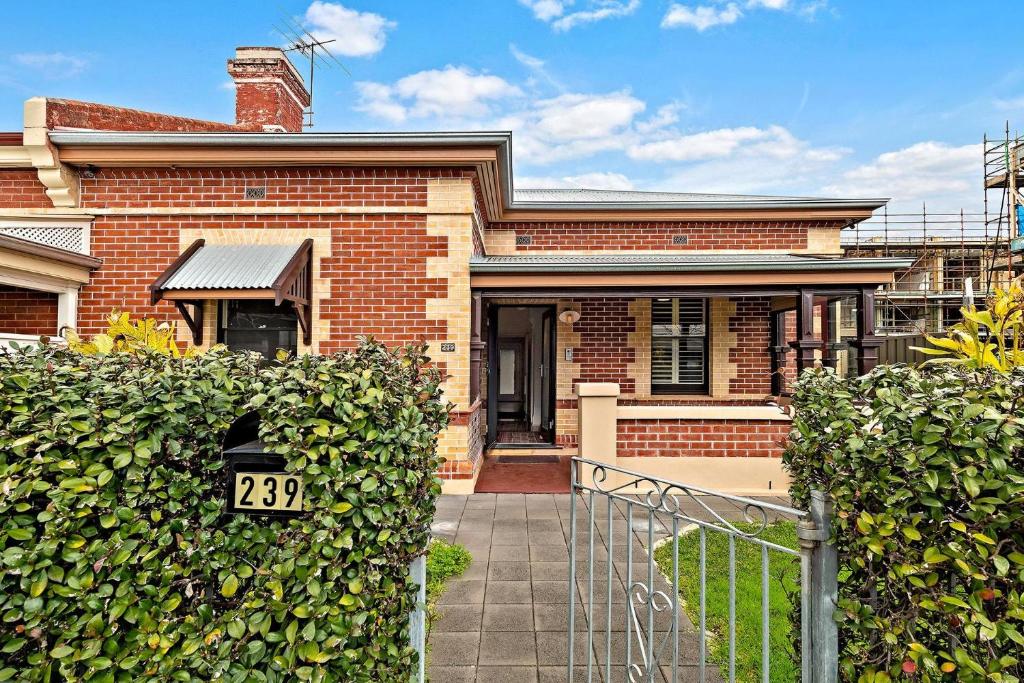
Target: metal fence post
{"points": [[418, 617], [820, 633]]}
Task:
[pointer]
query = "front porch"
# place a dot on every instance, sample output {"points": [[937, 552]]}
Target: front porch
{"points": [[692, 379]]}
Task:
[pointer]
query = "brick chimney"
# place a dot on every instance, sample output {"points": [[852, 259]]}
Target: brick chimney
{"points": [[270, 95]]}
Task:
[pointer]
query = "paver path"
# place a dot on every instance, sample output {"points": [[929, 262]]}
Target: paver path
{"points": [[506, 618]]}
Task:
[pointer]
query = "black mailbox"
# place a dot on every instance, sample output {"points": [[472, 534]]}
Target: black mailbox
{"points": [[257, 481]]}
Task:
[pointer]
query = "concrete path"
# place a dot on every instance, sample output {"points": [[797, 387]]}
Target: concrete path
{"points": [[506, 619]]}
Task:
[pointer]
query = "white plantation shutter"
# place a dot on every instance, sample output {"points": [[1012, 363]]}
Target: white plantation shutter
{"points": [[679, 345]]}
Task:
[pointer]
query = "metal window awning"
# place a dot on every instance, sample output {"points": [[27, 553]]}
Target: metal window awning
{"points": [[278, 272]]}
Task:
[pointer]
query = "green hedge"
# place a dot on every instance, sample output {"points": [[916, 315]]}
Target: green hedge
{"points": [[117, 562], [926, 472]]}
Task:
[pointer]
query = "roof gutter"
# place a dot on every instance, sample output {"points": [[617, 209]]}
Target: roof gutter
{"points": [[478, 265], [500, 140]]}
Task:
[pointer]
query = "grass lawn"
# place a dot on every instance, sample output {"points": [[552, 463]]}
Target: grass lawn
{"points": [[784, 576], [444, 561]]}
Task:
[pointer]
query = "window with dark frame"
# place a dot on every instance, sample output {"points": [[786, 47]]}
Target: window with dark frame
{"points": [[679, 346], [258, 325]]}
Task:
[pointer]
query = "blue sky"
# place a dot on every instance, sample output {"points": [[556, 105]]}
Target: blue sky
{"points": [[815, 97]]}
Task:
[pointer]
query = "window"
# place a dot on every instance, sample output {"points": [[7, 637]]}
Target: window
{"points": [[679, 346], [258, 325]]}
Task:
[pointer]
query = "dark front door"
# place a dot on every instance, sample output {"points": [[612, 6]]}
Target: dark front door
{"points": [[547, 376], [521, 372]]}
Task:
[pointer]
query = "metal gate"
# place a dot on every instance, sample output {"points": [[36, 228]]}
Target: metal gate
{"points": [[631, 615]]}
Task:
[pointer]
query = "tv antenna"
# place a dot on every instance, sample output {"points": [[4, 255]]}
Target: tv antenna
{"points": [[315, 50]]}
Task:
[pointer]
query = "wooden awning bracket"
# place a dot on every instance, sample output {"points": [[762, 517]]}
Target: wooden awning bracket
{"points": [[194, 320]]}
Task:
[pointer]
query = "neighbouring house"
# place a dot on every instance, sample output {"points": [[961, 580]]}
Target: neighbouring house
{"points": [[679, 315]]}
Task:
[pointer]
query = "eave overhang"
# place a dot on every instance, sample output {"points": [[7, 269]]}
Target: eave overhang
{"points": [[488, 152], [694, 271]]}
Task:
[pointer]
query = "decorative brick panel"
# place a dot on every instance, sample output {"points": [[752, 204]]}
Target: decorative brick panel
{"points": [[22, 190], [26, 311], [701, 438]]}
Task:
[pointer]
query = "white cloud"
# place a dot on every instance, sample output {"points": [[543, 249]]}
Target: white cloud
{"points": [[546, 10], [555, 13], [702, 17], [604, 9], [356, 34], [529, 61], [575, 117], [589, 181], [52, 64], [451, 92], [704, 145], [947, 177], [742, 160]]}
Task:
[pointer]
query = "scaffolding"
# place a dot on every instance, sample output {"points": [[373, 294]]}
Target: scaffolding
{"points": [[947, 249], [1004, 175]]}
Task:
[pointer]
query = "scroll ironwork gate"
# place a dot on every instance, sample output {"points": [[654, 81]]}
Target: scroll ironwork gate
{"points": [[636, 627]]}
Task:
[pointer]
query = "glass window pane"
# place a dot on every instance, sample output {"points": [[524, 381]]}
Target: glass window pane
{"points": [[259, 325], [678, 343]]}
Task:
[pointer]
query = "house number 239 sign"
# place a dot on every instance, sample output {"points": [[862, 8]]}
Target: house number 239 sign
{"points": [[267, 492]]}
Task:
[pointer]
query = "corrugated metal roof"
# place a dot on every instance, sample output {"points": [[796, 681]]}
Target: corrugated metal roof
{"points": [[233, 266], [677, 263], [625, 196]]}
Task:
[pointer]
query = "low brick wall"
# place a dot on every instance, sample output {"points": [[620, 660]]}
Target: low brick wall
{"points": [[700, 438]]}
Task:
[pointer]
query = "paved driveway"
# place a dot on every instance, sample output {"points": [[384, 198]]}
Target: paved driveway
{"points": [[506, 619]]}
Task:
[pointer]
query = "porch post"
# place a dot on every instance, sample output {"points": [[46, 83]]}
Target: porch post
{"points": [[805, 343], [778, 349], [867, 343], [476, 347], [830, 334]]}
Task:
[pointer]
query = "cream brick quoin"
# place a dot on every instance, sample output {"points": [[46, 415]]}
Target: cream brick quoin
{"points": [[454, 202]]}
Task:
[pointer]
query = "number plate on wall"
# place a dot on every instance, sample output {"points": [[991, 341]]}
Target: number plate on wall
{"points": [[257, 485], [267, 492]]}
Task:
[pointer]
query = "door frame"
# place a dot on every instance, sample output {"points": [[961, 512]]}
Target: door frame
{"points": [[492, 376]]}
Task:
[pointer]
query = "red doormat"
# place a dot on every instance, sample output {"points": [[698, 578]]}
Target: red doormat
{"points": [[499, 477]]}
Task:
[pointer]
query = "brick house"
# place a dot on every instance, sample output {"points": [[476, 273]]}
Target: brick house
{"points": [[678, 308]]}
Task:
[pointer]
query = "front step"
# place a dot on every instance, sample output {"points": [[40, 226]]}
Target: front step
{"points": [[494, 452]]}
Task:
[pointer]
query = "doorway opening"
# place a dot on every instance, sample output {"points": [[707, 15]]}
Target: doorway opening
{"points": [[521, 380]]}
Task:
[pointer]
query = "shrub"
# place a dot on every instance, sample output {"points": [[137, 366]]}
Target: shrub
{"points": [[130, 336], [990, 338], [926, 473], [117, 562]]}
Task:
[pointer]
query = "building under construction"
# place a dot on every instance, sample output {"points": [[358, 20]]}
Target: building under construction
{"points": [[956, 255]]}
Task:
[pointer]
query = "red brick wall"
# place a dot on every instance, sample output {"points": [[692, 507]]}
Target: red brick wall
{"points": [[707, 438], [603, 353], [316, 186], [62, 113], [377, 270], [22, 190], [643, 236], [378, 278], [25, 311], [751, 356]]}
